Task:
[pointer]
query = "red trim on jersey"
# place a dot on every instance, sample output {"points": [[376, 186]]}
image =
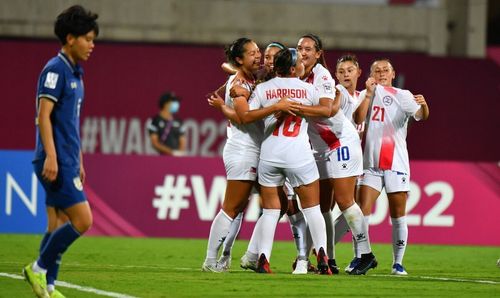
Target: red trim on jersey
{"points": [[386, 153], [391, 90], [310, 78], [327, 136]]}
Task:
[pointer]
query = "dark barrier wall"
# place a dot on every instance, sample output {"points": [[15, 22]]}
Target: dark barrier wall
{"points": [[123, 82]]}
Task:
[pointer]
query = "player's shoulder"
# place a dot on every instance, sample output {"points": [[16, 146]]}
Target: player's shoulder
{"points": [[321, 73]]}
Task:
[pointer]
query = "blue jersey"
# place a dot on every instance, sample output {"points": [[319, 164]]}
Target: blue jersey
{"points": [[61, 82]]}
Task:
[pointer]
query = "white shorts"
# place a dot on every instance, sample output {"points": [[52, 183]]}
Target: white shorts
{"points": [[270, 175], [240, 165], [345, 161], [392, 180], [290, 193]]}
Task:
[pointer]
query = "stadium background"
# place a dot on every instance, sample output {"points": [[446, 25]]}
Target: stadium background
{"points": [[447, 50]]}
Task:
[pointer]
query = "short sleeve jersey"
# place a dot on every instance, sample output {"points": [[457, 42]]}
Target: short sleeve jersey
{"points": [[169, 131], [61, 82], [327, 134], [386, 129], [248, 136], [286, 143]]}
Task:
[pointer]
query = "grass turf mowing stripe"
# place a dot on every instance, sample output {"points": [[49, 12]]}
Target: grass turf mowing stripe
{"points": [[73, 286]]}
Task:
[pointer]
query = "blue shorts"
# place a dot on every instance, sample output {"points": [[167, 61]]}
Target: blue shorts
{"points": [[66, 191]]}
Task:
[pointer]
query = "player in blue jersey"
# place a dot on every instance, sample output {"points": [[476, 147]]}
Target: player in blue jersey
{"points": [[58, 158]]}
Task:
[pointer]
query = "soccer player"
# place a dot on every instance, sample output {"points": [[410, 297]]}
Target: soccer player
{"points": [[386, 163], [58, 158], [242, 148], [286, 153]]}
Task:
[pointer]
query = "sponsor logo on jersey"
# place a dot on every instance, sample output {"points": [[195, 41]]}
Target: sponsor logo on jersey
{"points": [[78, 183], [325, 78], [51, 80], [387, 100], [74, 85]]}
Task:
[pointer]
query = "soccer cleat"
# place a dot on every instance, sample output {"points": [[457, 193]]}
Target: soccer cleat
{"points": [[212, 267], [354, 262], [301, 267], [225, 262], [263, 265], [398, 269], [323, 267], [367, 262], [333, 266], [56, 294], [247, 263], [37, 281], [310, 266]]}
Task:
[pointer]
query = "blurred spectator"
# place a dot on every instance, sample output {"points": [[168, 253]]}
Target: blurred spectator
{"points": [[167, 132]]}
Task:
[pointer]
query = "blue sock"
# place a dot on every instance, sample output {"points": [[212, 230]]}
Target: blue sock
{"points": [[57, 244], [53, 270], [44, 241]]}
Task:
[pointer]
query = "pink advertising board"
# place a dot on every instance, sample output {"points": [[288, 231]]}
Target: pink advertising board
{"points": [[450, 202]]}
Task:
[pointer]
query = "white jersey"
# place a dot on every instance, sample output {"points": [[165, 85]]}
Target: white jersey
{"points": [[286, 143], [349, 103], [249, 135], [387, 121]]}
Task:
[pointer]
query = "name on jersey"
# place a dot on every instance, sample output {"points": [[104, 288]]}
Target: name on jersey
{"points": [[291, 93]]}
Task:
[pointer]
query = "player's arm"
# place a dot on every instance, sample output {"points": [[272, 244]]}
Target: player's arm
{"points": [[423, 112], [217, 102], [82, 169], [158, 146], [248, 116], [228, 68], [359, 114], [50, 167]]}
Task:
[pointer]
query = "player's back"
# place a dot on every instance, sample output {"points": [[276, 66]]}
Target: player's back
{"points": [[286, 143]]}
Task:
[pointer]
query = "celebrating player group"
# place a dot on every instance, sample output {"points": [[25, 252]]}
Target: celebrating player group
{"points": [[294, 134]]}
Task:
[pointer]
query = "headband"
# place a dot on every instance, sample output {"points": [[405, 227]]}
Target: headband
{"points": [[275, 44], [293, 51]]}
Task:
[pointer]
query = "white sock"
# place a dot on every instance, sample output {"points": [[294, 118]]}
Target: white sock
{"points": [[265, 233], [399, 238], [317, 227], [330, 234], [233, 232], [298, 225], [37, 269], [357, 223], [355, 249], [253, 246], [51, 288], [341, 228], [218, 232]]}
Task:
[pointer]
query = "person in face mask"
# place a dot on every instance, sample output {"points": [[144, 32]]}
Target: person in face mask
{"points": [[167, 132]]}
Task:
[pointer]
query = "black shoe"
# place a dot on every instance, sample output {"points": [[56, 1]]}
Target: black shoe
{"points": [[333, 266], [367, 262]]}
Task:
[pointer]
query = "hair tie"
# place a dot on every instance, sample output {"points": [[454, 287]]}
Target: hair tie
{"points": [[274, 44]]}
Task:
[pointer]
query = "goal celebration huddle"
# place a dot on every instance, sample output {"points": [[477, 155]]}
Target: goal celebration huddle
{"points": [[307, 145]]}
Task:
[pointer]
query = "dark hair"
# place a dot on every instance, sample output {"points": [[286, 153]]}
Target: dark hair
{"points": [[348, 57], [283, 61], [166, 98], [76, 21], [236, 50], [381, 59], [318, 45]]}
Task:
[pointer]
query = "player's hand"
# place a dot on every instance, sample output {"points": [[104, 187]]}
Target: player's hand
{"points": [[216, 101], [82, 174], [238, 90], [370, 85], [288, 106], [50, 169], [419, 98]]}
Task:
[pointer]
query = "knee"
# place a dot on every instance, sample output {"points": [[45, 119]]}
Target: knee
{"points": [[83, 224]]}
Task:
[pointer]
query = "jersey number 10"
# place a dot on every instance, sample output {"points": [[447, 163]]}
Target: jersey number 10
{"points": [[287, 122]]}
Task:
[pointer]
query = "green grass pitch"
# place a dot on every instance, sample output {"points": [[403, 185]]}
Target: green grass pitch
{"points": [[171, 268]]}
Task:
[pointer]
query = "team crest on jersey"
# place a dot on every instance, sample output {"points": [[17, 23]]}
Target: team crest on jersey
{"points": [[74, 85], [327, 87], [387, 100], [78, 183], [51, 80], [325, 78]]}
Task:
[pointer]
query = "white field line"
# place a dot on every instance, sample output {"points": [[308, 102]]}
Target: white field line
{"points": [[479, 281], [76, 287]]}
